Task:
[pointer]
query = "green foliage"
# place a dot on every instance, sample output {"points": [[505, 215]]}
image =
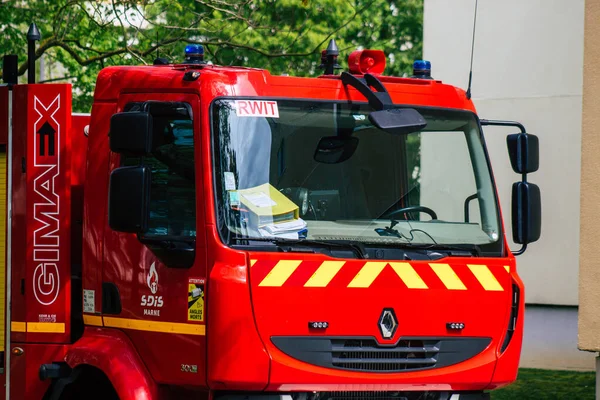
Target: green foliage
{"points": [[537, 384], [285, 36]]}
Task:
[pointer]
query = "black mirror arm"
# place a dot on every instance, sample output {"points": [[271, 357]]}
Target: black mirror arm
{"points": [[379, 100], [491, 122], [521, 250], [375, 83]]}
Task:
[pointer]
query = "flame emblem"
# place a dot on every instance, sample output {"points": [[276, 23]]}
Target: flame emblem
{"points": [[152, 279]]}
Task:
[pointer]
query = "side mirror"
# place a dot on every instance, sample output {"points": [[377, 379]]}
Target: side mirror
{"points": [[131, 133], [526, 212], [335, 149], [398, 121], [128, 198], [524, 152]]}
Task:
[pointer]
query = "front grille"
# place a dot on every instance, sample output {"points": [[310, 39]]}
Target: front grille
{"points": [[362, 396], [367, 355], [381, 396]]}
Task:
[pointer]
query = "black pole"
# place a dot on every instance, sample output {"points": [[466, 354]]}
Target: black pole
{"points": [[332, 53], [329, 58], [10, 66], [32, 36]]}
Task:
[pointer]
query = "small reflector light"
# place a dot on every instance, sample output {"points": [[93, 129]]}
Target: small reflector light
{"points": [[362, 62], [191, 76], [455, 326], [422, 69], [17, 351], [318, 325]]}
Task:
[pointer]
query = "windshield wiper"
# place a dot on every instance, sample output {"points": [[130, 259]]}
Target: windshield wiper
{"points": [[471, 249], [357, 247], [360, 248], [390, 231]]}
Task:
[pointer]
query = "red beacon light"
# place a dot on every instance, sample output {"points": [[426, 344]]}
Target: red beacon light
{"points": [[362, 62]]}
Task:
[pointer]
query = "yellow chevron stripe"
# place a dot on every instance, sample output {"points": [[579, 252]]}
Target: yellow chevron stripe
{"points": [[324, 274], [448, 276], [485, 277], [367, 274], [408, 275], [252, 262], [507, 268], [280, 273]]}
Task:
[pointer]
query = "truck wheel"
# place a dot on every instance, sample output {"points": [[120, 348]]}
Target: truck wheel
{"points": [[91, 384]]}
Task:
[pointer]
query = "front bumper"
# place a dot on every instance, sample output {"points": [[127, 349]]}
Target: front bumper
{"points": [[357, 396]]}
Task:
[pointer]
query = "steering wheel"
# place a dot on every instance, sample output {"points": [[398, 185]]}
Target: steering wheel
{"points": [[422, 209]]}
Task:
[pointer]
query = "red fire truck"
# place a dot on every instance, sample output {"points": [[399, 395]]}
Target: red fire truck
{"points": [[218, 232]]}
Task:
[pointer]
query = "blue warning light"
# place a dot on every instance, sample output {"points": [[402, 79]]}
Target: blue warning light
{"points": [[194, 54], [422, 69], [194, 50]]}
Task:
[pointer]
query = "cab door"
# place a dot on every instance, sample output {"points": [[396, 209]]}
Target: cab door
{"points": [[154, 283]]}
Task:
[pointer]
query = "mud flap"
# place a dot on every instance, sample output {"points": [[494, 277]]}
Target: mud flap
{"points": [[59, 385]]}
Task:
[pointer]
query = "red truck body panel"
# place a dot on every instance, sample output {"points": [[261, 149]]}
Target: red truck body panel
{"points": [[41, 224], [160, 351], [423, 295]]}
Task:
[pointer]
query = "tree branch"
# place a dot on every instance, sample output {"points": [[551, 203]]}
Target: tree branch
{"points": [[54, 41], [62, 78]]}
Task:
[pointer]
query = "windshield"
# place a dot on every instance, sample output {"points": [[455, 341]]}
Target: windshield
{"points": [[320, 171]]}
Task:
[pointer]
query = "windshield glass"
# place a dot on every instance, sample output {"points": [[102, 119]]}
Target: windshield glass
{"points": [[314, 170]]}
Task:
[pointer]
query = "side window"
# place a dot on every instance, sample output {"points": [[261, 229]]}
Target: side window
{"points": [[172, 193]]}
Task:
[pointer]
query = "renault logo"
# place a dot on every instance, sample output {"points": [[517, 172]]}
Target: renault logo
{"points": [[388, 323]]}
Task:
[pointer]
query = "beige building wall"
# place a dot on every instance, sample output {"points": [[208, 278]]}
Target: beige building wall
{"points": [[527, 67], [589, 278]]}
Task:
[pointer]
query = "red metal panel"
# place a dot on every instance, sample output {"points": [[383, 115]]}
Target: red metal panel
{"points": [[508, 362], [232, 329], [19, 213], [25, 382], [42, 252], [4, 96], [128, 264], [421, 311], [113, 81], [113, 353], [78, 135], [95, 200]]}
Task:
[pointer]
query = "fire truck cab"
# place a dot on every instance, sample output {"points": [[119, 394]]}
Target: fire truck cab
{"points": [[223, 233]]}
